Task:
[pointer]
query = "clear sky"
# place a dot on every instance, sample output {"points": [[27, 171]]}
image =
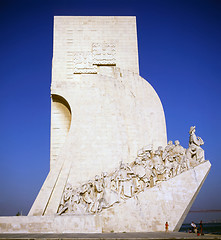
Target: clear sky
{"points": [[179, 55]]}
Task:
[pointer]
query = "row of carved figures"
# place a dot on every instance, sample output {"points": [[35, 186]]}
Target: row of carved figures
{"points": [[149, 168]]}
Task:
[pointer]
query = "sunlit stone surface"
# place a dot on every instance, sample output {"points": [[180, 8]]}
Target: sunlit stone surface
{"points": [[111, 169], [169, 201], [102, 110]]}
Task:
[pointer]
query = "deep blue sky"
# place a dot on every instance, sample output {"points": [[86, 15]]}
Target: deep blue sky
{"points": [[179, 54]]}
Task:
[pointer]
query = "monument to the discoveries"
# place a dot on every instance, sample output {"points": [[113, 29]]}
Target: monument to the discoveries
{"points": [[111, 168]]}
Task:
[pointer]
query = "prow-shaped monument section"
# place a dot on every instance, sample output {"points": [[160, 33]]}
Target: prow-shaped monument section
{"points": [[156, 187], [102, 113]]}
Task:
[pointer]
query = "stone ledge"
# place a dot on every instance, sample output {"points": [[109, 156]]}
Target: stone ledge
{"points": [[50, 224]]}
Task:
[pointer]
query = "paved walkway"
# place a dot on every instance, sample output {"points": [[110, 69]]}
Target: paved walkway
{"points": [[107, 236]]}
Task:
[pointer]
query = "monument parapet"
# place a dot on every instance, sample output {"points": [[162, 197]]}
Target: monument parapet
{"points": [[111, 168]]}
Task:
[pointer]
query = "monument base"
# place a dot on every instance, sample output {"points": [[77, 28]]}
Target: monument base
{"points": [[51, 224], [168, 201]]}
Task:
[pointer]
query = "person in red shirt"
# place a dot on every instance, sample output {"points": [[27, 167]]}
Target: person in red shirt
{"points": [[166, 226]]}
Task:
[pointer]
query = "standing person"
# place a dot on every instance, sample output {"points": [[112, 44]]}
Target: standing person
{"points": [[201, 227], [193, 227], [166, 226]]}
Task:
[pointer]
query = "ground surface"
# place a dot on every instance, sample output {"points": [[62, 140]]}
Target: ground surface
{"points": [[111, 236]]}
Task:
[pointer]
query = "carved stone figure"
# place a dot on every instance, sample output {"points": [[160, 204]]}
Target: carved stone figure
{"points": [[169, 165], [159, 168], [150, 174], [139, 179], [145, 153], [179, 154], [98, 193], [65, 205], [87, 195], [123, 180], [160, 149], [168, 151], [138, 168], [178, 150], [195, 153], [110, 197], [76, 203]]}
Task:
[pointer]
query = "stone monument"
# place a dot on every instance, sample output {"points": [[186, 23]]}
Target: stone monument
{"points": [[111, 168]]}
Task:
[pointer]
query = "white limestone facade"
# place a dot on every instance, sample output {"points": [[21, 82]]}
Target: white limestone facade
{"points": [[111, 169], [102, 111]]}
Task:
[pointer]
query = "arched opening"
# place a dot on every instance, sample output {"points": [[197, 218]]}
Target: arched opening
{"points": [[60, 125]]}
